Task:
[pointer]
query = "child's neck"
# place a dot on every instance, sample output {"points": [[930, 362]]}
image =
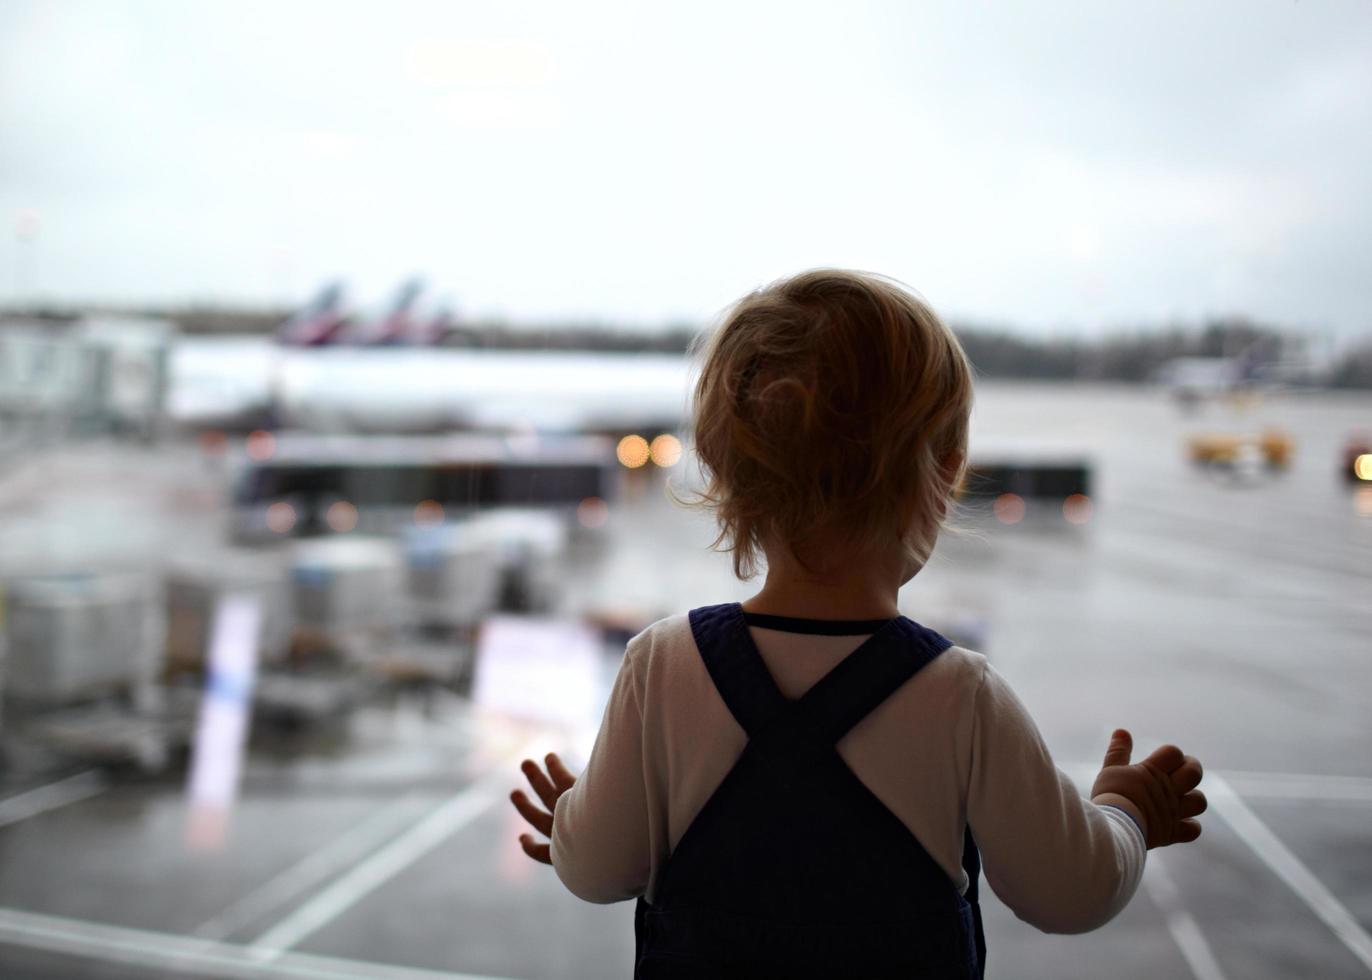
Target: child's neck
{"points": [[857, 592]]}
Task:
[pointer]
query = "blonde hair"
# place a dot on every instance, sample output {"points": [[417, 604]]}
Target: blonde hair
{"points": [[831, 402]]}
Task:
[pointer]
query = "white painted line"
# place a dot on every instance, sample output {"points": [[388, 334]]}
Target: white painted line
{"points": [[1186, 932], [384, 864], [191, 957], [73, 789], [312, 870], [1286, 866], [1196, 951], [1300, 786], [1262, 785]]}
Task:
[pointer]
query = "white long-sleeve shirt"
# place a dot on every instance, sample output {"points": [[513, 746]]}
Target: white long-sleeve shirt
{"points": [[952, 746]]}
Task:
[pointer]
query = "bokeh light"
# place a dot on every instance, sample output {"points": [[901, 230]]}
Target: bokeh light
{"points": [[665, 450], [281, 517], [1009, 508], [1362, 467], [261, 445], [428, 513], [1077, 508], [592, 512], [341, 516], [633, 451]]}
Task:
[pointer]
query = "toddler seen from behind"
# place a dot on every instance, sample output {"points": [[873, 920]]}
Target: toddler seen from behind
{"points": [[808, 783]]}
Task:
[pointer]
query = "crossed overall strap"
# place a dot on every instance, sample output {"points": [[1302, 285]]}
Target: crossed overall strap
{"points": [[893, 654], [837, 702]]}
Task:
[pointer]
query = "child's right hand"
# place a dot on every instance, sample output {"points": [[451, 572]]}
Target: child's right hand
{"points": [[1161, 789]]}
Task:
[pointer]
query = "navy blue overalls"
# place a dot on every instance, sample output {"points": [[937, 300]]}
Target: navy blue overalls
{"points": [[793, 868]]}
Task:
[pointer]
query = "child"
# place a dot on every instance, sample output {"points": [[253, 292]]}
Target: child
{"points": [[806, 784]]}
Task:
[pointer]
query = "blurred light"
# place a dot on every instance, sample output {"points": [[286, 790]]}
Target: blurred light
{"points": [[261, 445], [428, 513], [1077, 508], [1009, 508], [341, 516], [666, 450], [1362, 501], [1362, 467], [281, 517], [592, 512], [633, 451]]}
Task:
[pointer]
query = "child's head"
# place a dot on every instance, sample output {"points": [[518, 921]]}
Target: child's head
{"points": [[831, 407]]}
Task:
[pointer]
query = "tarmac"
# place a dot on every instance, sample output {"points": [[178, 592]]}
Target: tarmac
{"points": [[1230, 613]]}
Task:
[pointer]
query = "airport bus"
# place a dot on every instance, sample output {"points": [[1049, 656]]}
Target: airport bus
{"points": [[1014, 479], [305, 485]]}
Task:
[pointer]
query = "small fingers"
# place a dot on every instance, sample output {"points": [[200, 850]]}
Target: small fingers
{"points": [[562, 776], [539, 852], [541, 784], [541, 821], [1187, 831], [1121, 744], [1193, 804], [1187, 776], [1166, 757]]}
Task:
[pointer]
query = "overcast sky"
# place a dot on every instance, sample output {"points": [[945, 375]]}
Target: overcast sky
{"points": [[1060, 166]]}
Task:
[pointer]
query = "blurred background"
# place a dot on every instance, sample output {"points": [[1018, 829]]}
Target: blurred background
{"points": [[344, 373]]}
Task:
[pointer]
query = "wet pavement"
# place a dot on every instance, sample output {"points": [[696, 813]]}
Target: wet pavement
{"points": [[1233, 616]]}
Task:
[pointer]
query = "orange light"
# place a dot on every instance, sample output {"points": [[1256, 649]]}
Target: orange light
{"points": [[261, 445], [633, 451], [1077, 508], [1362, 501], [592, 512], [1009, 508], [281, 517], [1362, 466], [428, 513], [665, 450], [341, 516]]}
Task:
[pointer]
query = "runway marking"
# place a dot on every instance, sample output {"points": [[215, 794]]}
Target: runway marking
{"points": [[385, 864], [1289, 868], [1186, 932], [1260, 785], [73, 789], [313, 869], [1300, 786], [189, 956]]}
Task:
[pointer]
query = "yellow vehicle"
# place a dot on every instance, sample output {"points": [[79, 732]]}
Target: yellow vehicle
{"points": [[1273, 447]]}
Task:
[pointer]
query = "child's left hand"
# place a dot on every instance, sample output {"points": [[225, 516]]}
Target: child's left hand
{"points": [[548, 787]]}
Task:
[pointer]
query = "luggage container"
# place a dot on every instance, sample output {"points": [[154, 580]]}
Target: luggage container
{"points": [[530, 547], [194, 587], [345, 593], [453, 576], [79, 636]]}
